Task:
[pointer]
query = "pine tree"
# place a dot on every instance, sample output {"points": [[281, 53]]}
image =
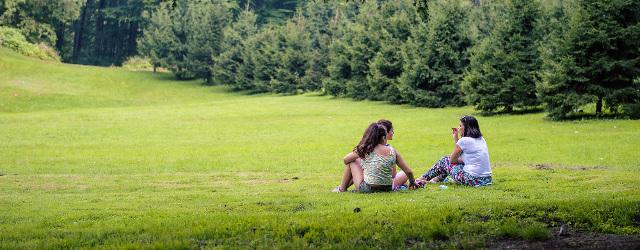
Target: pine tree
{"points": [[361, 50], [176, 41], [292, 57], [413, 81], [205, 23], [393, 25], [318, 17], [362, 46], [338, 65], [483, 18], [161, 41], [436, 57], [227, 64], [263, 52], [595, 60], [504, 66], [158, 38], [185, 37], [385, 69]]}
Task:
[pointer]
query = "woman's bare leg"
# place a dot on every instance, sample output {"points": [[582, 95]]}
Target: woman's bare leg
{"points": [[400, 179], [347, 177], [357, 174]]}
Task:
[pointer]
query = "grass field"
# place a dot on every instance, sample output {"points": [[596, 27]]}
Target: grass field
{"points": [[105, 158]]}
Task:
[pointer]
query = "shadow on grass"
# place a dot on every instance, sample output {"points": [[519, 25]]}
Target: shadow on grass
{"points": [[535, 110], [571, 117], [592, 116], [168, 76]]}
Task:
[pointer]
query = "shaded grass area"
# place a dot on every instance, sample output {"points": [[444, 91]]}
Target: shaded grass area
{"points": [[95, 157]]}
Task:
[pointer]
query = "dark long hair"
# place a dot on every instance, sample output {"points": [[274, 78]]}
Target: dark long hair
{"points": [[371, 137], [471, 127], [387, 124]]}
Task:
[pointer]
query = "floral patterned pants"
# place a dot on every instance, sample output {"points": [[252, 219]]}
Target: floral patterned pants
{"points": [[444, 168]]}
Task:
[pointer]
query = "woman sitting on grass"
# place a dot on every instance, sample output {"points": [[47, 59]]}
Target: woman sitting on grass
{"points": [[468, 164], [373, 173], [388, 126]]}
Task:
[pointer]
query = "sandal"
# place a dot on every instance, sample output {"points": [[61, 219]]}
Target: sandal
{"points": [[338, 190]]}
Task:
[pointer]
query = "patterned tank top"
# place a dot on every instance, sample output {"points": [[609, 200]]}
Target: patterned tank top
{"points": [[377, 168]]}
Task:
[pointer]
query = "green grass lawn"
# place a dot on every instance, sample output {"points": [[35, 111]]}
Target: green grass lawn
{"points": [[101, 157]]}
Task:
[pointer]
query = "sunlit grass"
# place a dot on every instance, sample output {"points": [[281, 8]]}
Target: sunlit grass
{"points": [[96, 157]]}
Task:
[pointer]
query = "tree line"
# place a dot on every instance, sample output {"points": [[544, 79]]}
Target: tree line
{"points": [[497, 55], [104, 32], [98, 32], [500, 56]]}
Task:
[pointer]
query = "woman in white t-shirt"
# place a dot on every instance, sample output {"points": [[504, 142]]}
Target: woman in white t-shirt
{"points": [[468, 164]]}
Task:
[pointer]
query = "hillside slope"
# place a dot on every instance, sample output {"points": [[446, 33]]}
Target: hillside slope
{"points": [[28, 84]]}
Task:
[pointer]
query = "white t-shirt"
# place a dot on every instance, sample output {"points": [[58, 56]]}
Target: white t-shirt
{"points": [[475, 156]]}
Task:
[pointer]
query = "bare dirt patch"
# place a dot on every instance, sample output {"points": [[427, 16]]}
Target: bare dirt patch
{"points": [[572, 240], [549, 166]]}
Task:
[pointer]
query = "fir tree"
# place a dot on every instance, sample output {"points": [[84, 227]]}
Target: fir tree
{"points": [[393, 25], [204, 34], [504, 66], [165, 38], [263, 52], [230, 65], [363, 45], [338, 65], [317, 25], [158, 38], [595, 60], [436, 57], [292, 57]]}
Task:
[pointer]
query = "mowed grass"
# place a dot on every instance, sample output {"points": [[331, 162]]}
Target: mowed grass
{"points": [[105, 158]]}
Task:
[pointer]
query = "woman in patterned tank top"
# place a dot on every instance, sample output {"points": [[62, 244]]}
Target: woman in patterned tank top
{"points": [[373, 173], [347, 179]]}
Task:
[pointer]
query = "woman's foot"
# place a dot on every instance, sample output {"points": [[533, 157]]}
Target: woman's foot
{"points": [[421, 182], [338, 189]]}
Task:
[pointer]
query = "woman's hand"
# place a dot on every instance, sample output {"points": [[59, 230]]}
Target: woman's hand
{"points": [[421, 182], [413, 185], [350, 157], [407, 171], [454, 134]]}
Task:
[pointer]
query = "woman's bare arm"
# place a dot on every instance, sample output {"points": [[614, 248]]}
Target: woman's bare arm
{"points": [[350, 157], [455, 155], [407, 170]]}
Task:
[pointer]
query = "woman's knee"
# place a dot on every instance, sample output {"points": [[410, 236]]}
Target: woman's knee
{"points": [[356, 172]]}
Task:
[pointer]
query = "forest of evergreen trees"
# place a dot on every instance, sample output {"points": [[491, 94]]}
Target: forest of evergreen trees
{"points": [[105, 32], [498, 55]]}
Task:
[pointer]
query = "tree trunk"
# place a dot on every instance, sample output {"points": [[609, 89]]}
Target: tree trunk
{"points": [[209, 78], [599, 106], [60, 28], [133, 37], [99, 36], [509, 109], [79, 31], [179, 73]]}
